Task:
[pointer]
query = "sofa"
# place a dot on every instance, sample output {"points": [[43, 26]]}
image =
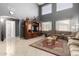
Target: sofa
{"points": [[73, 43]]}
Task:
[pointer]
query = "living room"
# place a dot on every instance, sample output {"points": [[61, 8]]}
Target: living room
{"points": [[39, 29]]}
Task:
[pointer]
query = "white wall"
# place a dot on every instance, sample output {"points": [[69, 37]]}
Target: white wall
{"points": [[22, 10]]}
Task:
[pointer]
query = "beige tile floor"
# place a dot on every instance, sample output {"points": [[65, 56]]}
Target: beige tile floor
{"points": [[2, 48], [22, 48]]}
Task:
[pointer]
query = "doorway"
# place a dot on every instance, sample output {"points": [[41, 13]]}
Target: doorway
{"points": [[10, 37]]}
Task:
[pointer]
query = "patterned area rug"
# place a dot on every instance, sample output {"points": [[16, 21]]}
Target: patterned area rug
{"points": [[59, 49]]}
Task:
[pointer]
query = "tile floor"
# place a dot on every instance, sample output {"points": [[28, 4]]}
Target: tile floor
{"points": [[22, 48]]}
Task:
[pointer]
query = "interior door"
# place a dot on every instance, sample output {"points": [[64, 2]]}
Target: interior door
{"points": [[10, 35], [10, 29]]}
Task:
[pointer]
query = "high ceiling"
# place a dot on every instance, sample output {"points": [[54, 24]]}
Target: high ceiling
{"points": [[40, 3]]}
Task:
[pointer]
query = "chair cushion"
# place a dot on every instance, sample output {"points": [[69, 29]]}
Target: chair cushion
{"points": [[74, 53], [74, 50]]}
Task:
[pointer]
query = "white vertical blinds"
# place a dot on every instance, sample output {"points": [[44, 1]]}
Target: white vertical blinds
{"points": [[63, 25], [68, 24]]}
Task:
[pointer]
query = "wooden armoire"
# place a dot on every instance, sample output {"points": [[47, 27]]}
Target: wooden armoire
{"points": [[32, 28]]}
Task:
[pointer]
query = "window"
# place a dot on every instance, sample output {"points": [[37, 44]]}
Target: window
{"points": [[75, 24], [62, 6], [63, 25], [68, 25], [46, 26], [47, 9]]}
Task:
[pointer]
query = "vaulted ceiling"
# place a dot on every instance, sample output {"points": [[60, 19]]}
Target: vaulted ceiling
{"points": [[40, 3]]}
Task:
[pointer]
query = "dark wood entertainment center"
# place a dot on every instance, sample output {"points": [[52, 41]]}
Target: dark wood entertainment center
{"points": [[32, 28]]}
